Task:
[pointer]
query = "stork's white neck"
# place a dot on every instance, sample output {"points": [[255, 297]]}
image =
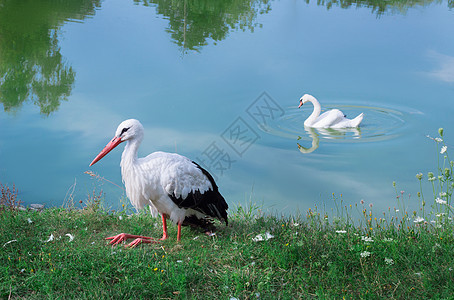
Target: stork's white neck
{"points": [[315, 114], [129, 156]]}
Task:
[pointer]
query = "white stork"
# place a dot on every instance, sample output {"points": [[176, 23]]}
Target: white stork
{"points": [[171, 184]]}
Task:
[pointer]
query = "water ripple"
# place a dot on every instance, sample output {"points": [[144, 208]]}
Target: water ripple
{"points": [[379, 124]]}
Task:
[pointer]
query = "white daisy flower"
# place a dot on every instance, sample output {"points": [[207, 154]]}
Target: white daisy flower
{"points": [[367, 239], [418, 220], [365, 254], [441, 201], [263, 237]]}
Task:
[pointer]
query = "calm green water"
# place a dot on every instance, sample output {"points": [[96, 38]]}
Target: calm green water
{"points": [[219, 82]]}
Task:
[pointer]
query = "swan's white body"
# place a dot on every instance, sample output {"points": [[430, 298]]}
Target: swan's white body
{"points": [[333, 118], [171, 184]]}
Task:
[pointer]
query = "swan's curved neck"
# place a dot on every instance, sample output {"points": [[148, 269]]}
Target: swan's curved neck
{"points": [[315, 114]]}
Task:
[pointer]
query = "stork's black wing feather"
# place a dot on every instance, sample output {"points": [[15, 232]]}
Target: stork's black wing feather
{"points": [[209, 202]]}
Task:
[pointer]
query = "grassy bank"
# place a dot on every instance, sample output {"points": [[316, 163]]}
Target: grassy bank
{"points": [[302, 259], [396, 254]]}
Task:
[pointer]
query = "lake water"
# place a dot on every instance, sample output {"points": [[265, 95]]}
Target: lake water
{"points": [[220, 82]]}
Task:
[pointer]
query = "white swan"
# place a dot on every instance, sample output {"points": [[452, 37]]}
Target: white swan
{"points": [[333, 118]]}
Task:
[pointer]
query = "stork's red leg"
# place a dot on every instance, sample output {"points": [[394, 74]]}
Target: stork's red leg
{"points": [[164, 228], [117, 239], [179, 232], [139, 241]]}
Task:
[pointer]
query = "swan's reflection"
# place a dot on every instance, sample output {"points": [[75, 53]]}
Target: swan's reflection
{"points": [[327, 133]]}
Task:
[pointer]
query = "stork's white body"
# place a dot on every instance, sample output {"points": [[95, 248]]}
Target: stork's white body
{"points": [[171, 184], [150, 180]]}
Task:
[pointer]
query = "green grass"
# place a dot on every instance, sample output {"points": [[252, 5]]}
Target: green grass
{"points": [[371, 256], [303, 260]]}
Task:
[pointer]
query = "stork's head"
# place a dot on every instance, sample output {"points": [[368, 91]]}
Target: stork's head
{"points": [[304, 99], [128, 130]]}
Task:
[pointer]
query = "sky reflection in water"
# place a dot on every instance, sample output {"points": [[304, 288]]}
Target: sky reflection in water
{"points": [[192, 76]]}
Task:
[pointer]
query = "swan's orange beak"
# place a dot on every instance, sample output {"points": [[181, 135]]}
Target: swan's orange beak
{"points": [[112, 144], [301, 103]]}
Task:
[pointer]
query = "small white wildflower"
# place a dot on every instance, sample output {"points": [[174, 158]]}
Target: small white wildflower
{"points": [[367, 239], [440, 215], [120, 218], [365, 254], [443, 194], [438, 140], [397, 210], [263, 237], [432, 179], [179, 261], [71, 237], [195, 238], [388, 239], [92, 243], [341, 231], [418, 220], [22, 270], [296, 224], [418, 274], [51, 238], [389, 261], [443, 149], [29, 221], [440, 201]]}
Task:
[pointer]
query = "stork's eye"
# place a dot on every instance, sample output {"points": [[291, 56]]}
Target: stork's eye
{"points": [[124, 130]]}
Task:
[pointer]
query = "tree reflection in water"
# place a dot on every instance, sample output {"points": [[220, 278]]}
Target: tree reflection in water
{"points": [[31, 65]]}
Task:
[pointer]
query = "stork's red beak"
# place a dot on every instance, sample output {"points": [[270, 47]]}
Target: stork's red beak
{"points": [[112, 144]]}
